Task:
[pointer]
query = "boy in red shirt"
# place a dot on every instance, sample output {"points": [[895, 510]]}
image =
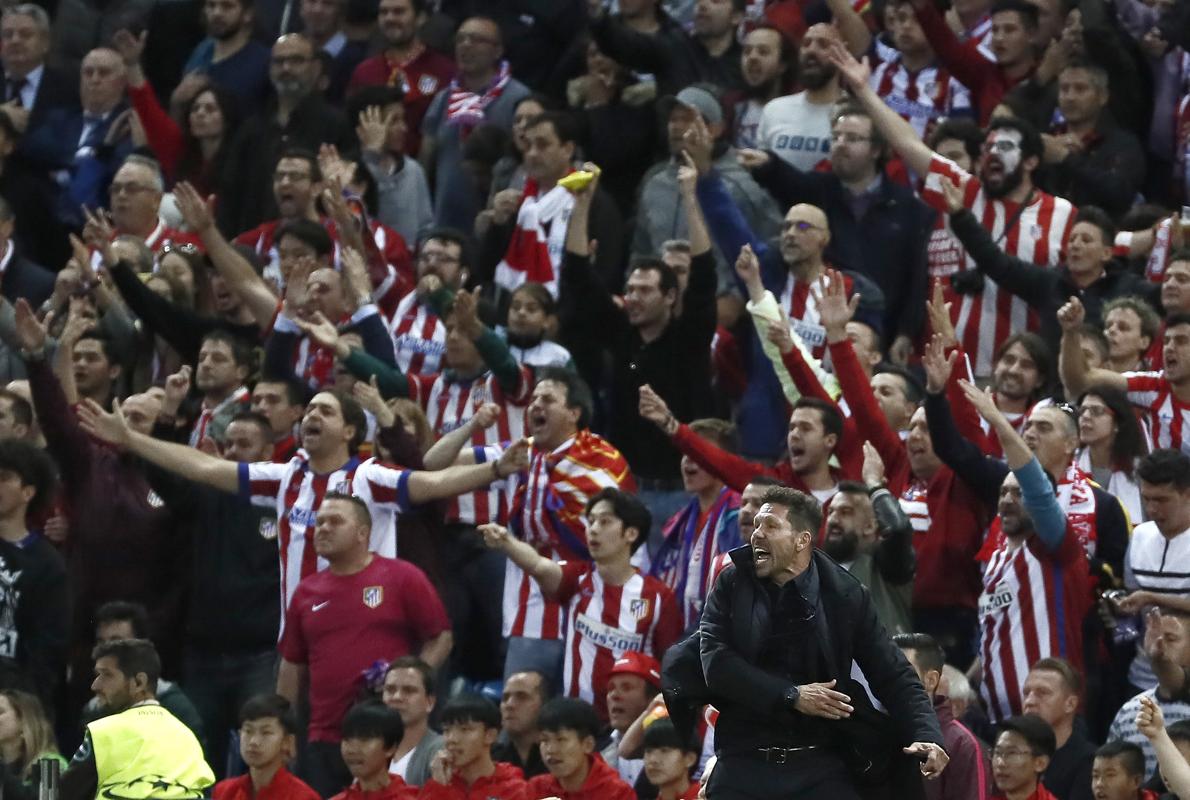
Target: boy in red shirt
{"points": [[668, 762], [463, 769], [267, 728], [576, 772], [371, 732]]}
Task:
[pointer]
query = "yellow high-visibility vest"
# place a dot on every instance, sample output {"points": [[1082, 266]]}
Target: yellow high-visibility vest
{"points": [[146, 752]]}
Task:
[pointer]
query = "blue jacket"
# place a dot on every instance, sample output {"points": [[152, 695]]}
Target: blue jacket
{"points": [[761, 417], [887, 244]]}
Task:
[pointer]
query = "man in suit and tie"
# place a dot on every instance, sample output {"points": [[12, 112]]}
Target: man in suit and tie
{"points": [[20, 277], [30, 86], [85, 145]]}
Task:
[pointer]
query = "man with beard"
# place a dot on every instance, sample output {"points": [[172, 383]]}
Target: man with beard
{"points": [[1023, 220], [798, 127], [1036, 585], [229, 57], [297, 117], [946, 519], [406, 63], [767, 66], [645, 38], [868, 533]]}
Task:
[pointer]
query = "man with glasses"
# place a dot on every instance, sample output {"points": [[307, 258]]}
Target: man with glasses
{"points": [[482, 93], [135, 205], [419, 334], [1023, 749], [1023, 221], [297, 117]]}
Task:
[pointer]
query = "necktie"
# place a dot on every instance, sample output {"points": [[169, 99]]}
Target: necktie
{"points": [[15, 87]]}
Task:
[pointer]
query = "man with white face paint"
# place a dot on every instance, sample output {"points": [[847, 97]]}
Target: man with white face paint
{"points": [[1023, 220], [779, 704]]}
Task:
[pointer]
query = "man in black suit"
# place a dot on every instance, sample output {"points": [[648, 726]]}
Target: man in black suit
{"points": [[30, 86], [20, 277], [40, 236], [778, 635]]}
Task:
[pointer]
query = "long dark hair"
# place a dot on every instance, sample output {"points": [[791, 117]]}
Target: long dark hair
{"points": [[1128, 446], [191, 166]]}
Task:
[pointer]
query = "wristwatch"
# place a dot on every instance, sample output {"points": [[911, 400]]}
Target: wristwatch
{"points": [[792, 695]]}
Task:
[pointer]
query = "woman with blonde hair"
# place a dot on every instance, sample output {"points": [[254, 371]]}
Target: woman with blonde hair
{"points": [[26, 735]]}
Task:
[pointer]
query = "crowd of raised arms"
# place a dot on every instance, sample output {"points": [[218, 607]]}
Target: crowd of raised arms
{"points": [[386, 384]]}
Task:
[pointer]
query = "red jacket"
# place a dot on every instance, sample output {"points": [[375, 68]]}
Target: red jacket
{"points": [[986, 79], [283, 786], [397, 789], [1040, 794], [947, 574], [968, 775], [602, 783], [506, 783]]}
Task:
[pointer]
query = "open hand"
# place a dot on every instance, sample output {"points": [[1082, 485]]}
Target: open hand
{"points": [[835, 309], [110, 427], [372, 128], [935, 758], [873, 469], [821, 700], [938, 311], [198, 213], [30, 332], [937, 364]]}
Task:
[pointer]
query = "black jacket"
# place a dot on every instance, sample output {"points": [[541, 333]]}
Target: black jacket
{"points": [[1107, 173], [887, 244], [23, 278], [669, 54], [752, 708], [1046, 290]]}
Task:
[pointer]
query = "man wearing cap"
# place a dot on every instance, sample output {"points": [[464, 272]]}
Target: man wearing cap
{"points": [[778, 636], [695, 123], [1023, 749], [635, 680]]}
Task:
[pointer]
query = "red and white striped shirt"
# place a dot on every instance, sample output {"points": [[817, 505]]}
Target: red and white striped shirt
{"points": [[914, 502], [1032, 607], [1038, 235], [920, 97], [547, 512], [419, 337], [450, 403], [1168, 417], [296, 492], [801, 306], [603, 622]]}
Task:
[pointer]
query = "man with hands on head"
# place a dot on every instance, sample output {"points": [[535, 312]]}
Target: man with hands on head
{"points": [[783, 728]]}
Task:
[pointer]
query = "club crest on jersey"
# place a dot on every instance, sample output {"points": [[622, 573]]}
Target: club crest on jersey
{"points": [[373, 596], [155, 500], [1035, 231], [639, 608], [427, 84], [268, 529]]}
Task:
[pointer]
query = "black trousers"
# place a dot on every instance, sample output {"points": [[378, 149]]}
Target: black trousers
{"points": [[322, 768], [813, 775]]}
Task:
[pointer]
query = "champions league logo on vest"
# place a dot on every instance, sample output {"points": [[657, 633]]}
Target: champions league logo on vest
{"points": [[149, 786]]}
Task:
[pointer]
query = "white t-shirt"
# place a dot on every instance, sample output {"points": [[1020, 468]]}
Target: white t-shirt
{"points": [[796, 130]]}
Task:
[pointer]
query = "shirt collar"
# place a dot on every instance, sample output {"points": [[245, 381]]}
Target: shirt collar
{"points": [[807, 584], [33, 79]]}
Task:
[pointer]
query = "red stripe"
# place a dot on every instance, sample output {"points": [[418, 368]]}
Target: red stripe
{"points": [[318, 485]]}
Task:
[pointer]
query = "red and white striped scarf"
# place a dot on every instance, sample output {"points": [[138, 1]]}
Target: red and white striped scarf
{"points": [[465, 109], [535, 251]]}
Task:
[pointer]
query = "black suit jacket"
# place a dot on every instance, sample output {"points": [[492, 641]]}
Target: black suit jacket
{"points": [[58, 89], [23, 278], [752, 709]]}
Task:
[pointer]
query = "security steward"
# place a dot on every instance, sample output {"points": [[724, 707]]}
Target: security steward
{"points": [[140, 750], [777, 639]]}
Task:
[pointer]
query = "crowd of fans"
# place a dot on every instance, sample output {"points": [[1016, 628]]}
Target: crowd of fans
{"points": [[387, 382]]}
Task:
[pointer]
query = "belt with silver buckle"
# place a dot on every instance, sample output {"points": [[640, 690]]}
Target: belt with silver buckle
{"points": [[782, 755]]}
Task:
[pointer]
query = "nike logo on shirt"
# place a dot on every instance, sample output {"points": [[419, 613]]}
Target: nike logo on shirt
{"points": [[318, 606]]}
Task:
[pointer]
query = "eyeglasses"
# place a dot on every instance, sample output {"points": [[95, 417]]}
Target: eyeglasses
{"points": [[1001, 146], [292, 61], [129, 188], [181, 248], [849, 138], [1066, 408], [999, 754], [1093, 411], [801, 226]]}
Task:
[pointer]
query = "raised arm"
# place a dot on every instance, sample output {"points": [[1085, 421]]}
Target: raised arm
{"points": [[896, 131], [234, 269], [1174, 767], [547, 573], [189, 462], [851, 26], [449, 449], [441, 484], [1072, 365], [894, 555]]}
